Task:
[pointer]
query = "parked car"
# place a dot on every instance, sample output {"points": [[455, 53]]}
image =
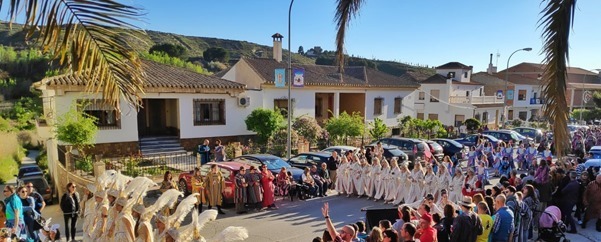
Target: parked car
{"points": [[29, 170], [273, 163], [595, 163], [435, 149], [507, 135], [472, 139], [451, 148], [229, 169], [308, 159], [40, 184], [412, 147], [535, 134], [392, 151], [341, 149]]}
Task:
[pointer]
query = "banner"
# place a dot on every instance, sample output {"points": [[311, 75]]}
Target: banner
{"points": [[298, 77], [280, 78], [509, 95]]}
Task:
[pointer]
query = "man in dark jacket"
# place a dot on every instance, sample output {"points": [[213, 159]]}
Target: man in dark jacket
{"points": [[332, 164], [467, 226], [569, 197]]}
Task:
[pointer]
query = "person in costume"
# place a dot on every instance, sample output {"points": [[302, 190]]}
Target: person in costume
{"points": [[350, 177], [358, 177], [404, 185], [444, 181], [142, 227], [393, 182], [385, 177], [215, 186], [374, 169], [101, 212], [268, 188], [456, 186], [124, 222], [88, 213], [255, 196], [240, 197], [198, 186]]}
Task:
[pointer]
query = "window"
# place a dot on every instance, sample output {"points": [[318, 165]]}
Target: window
{"points": [[451, 75], [465, 74], [433, 116], [209, 112], [467, 93], [523, 115], [378, 105], [485, 117], [420, 116], [510, 115], [106, 116], [318, 107], [521, 95], [422, 96], [459, 120], [282, 106], [398, 103], [434, 95]]}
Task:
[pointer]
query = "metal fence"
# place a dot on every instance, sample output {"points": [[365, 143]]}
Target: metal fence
{"points": [[153, 165]]}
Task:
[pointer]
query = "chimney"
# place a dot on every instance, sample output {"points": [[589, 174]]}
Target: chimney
{"points": [[491, 69], [277, 47]]}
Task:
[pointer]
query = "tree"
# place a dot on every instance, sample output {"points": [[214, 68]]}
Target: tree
{"points": [[216, 54], [345, 125], [301, 50], [83, 36], [556, 21], [264, 122], [472, 124], [77, 128], [378, 129], [172, 50], [308, 128]]}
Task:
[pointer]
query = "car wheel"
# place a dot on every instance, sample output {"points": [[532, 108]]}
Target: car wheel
{"points": [[183, 187]]}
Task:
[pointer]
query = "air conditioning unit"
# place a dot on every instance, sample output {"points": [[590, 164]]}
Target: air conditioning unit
{"points": [[243, 101]]}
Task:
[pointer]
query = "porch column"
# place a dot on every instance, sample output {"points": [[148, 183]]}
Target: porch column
{"points": [[336, 104]]}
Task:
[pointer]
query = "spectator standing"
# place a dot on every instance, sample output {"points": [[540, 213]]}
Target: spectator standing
{"points": [[467, 226], [14, 210], [29, 213], [503, 226], [486, 220], [215, 186], [220, 154], [389, 236], [40, 204], [567, 201], [204, 150], [583, 182], [268, 188], [426, 232], [592, 200], [408, 232], [347, 232], [70, 207], [333, 163], [531, 201]]}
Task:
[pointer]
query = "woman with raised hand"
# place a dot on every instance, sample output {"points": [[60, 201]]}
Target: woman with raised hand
{"points": [[393, 183], [384, 177], [376, 170]]}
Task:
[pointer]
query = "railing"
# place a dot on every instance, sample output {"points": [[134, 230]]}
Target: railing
{"points": [[475, 100], [154, 165]]}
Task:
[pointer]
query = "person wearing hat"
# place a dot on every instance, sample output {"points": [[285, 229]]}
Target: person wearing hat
{"points": [[426, 232], [142, 227], [124, 225], [467, 226], [160, 233], [101, 213], [88, 204], [109, 228], [50, 233], [172, 235]]}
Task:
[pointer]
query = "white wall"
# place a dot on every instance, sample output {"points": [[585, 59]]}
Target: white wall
{"points": [[530, 90], [459, 74], [459, 90], [303, 104], [388, 115], [129, 120]]}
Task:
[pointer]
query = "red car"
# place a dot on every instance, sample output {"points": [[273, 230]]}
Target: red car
{"points": [[228, 169]]}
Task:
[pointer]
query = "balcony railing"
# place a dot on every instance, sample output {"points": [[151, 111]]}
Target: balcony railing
{"points": [[475, 100]]}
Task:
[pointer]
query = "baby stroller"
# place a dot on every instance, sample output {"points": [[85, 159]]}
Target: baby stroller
{"points": [[551, 228]]}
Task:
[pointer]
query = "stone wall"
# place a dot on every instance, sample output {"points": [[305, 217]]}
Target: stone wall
{"points": [[192, 144]]}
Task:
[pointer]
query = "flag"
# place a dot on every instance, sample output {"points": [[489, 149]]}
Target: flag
{"points": [[298, 77], [280, 78]]}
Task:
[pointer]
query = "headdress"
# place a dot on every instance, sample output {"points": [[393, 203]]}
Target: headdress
{"points": [[139, 208], [173, 233], [231, 233], [167, 199], [121, 201], [184, 207]]}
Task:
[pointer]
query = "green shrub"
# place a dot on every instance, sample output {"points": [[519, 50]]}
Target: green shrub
{"points": [[517, 122], [42, 160], [85, 164], [5, 125]]}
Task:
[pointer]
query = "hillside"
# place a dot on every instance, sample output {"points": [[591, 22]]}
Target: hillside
{"points": [[197, 45]]}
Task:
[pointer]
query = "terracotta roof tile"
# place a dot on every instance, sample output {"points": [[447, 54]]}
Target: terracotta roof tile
{"points": [[159, 76], [454, 65], [320, 75]]}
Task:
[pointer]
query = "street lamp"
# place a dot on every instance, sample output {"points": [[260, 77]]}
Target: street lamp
{"points": [[507, 81], [289, 139]]}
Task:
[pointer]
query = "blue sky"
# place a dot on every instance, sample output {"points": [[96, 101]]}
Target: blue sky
{"points": [[428, 32]]}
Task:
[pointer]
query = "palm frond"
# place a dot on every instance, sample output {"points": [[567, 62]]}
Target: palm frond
{"points": [[345, 11], [91, 39], [557, 20]]}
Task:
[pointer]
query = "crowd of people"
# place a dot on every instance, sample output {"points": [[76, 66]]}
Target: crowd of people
{"points": [[21, 210], [442, 201]]}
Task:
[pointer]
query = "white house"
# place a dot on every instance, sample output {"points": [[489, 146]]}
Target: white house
{"points": [[328, 93], [452, 97], [180, 105]]}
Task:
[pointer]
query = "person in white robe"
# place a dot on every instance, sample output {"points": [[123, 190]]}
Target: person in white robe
{"points": [[384, 176], [393, 183], [417, 183], [444, 181], [89, 213], [358, 178], [375, 173], [124, 222], [404, 185], [341, 179], [456, 186], [350, 178], [366, 177], [430, 181]]}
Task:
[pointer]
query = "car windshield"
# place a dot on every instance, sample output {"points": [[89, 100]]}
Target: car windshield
{"points": [[454, 143], [275, 163], [395, 152], [38, 184], [492, 138], [30, 169]]}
